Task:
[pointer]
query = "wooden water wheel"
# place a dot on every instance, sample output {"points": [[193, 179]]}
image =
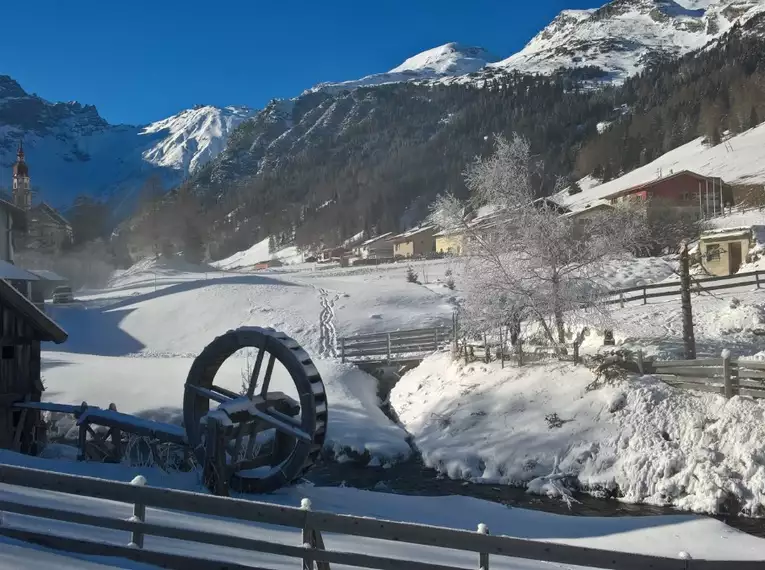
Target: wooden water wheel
{"points": [[260, 440]]}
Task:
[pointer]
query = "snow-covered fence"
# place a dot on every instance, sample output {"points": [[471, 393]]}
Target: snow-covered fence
{"points": [[726, 375], [394, 346], [309, 546], [643, 293]]}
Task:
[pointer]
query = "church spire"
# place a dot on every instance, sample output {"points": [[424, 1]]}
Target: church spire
{"points": [[22, 192]]}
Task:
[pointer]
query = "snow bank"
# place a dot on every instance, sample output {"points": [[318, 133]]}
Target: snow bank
{"points": [[640, 439]]}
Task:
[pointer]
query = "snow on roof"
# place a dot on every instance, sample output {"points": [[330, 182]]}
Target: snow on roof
{"points": [[376, 239], [726, 233], [738, 160], [409, 233], [14, 272], [47, 275]]}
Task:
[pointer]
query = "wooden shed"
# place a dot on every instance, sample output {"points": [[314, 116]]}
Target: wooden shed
{"points": [[23, 328]]}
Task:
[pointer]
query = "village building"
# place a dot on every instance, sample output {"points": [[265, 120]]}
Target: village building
{"points": [[590, 212], [417, 242], [685, 190], [722, 252], [379, 247], [450, 242], [46, 229]]}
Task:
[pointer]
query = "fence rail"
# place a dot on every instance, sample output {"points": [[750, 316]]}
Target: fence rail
{"points": [[395, 345], [657, 290], [309, 546], [726, 375]]}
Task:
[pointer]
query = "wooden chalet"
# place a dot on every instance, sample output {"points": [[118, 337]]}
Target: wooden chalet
{"points": [[24, 327]]}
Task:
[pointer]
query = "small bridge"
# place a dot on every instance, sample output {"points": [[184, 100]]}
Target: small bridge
{"points": [[395, 348]]}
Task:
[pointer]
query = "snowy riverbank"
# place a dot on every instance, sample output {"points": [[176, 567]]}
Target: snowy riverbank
{"points": [[549, 426]]}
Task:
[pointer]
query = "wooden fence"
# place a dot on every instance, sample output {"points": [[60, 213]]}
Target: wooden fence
{"points": [[643, 293], [394, 346], [309, 544], [726, 375]]}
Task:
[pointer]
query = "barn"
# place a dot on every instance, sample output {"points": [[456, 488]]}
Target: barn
{"points": [[24, 328]]}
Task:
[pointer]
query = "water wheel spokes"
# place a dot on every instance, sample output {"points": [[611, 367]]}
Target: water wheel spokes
{"points": [[269, 439]]}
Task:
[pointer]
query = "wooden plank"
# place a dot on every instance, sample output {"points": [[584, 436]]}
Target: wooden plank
{"points": [[696, 371], [51, 407], [745, 383], [171, 499], [743, 373], [394, 343], [750, 364], [218, 539], [751, 393], [401, 332], [499, 545], [144, 556], [686, 363], [384, 352], [715, 389], [728, 286]]}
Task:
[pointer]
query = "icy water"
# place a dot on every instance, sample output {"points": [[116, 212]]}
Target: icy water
{"points": [[413, 478]]}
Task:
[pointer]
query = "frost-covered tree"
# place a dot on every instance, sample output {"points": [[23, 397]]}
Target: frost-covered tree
{"points": [[527, 260]]}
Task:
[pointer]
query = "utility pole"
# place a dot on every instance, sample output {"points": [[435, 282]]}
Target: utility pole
{"points": [[689, 340]]}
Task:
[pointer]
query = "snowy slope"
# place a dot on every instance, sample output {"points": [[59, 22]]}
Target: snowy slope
{"points": [[71, 150], [740, 160], [624, 36], [256, 254], [449, 60]]}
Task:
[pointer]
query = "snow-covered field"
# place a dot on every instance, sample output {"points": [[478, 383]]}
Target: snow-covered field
{"points": [[134, 342]]}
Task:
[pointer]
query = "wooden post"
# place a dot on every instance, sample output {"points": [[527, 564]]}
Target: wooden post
{"points": [[757, 278], [486, 353], [308, 538], [645, 296], [342, 350], [116, 437], [435, 340], [388, 348], [689, 340], [519, 346], [139, 514], [501, 348], [621, 300], [576, 352], [727, 375], [641, 366], [483, 557]]}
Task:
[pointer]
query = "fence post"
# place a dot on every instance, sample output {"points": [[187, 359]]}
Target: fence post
{"points": [[621, 300], [483, 557], [486, 354], [501, 348], [435, 340], [645, 296], [342, 350], [641, 367], [576, 352], [757, 278], [519, 345], [139, 515], [388, 348], [727, 376]]}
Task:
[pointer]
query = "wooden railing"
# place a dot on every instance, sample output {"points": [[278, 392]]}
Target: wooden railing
{"points": [[726, 375], [309, 546], [643, 293], [394, 346]]}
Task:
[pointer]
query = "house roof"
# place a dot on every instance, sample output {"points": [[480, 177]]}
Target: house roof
{"points": [[46, 328], [15, 273], [18, 215], [597, 205], [376, 239], [47, 275], [656, 181], [407, 235], [726, 233], [53, 213]]}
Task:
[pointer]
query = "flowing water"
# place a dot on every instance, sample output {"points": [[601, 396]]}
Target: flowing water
{"points": [[413, 478]]}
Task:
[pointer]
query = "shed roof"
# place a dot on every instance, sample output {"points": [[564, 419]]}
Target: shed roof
{"points": [[729, 233], [47, 329], [656, 181], [15, 273], [47, 275], [375, 239]]}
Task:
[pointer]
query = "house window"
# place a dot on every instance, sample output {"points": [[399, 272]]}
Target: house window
{"points": [[713, 252]]}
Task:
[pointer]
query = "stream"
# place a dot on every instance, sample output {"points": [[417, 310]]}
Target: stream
{"points": [[413, 478]]}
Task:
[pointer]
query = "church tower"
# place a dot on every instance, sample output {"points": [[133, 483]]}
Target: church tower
{"points": [[22, 191]]}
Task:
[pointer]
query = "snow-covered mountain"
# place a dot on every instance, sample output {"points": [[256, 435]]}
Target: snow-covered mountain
{"points": [[71, 150], [624, 36], [442, 62]]}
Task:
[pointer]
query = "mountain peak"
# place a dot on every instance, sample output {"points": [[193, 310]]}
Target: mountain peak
{"points": [[9, 87], [449, 59]]}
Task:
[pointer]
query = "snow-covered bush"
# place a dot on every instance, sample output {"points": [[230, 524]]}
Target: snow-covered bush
{"points": [[411, 275]]}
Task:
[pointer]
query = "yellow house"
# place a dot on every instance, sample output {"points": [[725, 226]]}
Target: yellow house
{"points": [[418, 242], [450, 243], [722, 252]]}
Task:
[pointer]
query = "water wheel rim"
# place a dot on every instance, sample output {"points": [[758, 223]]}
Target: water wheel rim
{"points": [[306, 378]]}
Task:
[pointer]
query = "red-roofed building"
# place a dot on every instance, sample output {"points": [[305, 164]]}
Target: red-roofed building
{"points": [[684, 189]]}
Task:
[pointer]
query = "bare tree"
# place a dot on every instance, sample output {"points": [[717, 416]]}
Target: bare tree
{"points": [[541, 264]]}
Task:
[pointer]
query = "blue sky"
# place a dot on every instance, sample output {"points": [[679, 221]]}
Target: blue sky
{"points": [[140, 60]]}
